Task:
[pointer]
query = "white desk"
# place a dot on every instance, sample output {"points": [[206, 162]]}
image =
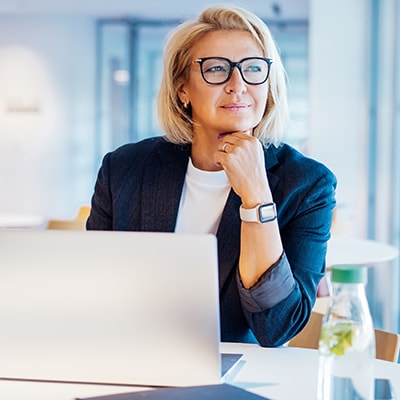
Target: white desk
{"points": [[22, 221], [279, 374], [344, 250]]}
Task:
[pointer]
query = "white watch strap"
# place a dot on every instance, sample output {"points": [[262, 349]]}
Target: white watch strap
{"points": [[261, 213]]}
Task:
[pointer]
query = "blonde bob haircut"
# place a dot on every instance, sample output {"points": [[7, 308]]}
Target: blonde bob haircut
{"points": [[174, 117]]}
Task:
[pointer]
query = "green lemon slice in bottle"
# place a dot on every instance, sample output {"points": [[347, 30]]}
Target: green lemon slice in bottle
{"points": [[336, 339]]}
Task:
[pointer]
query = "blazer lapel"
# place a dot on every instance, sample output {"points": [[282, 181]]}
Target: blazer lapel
{"points": [[228, 238], [270, 161], [162, 188]]}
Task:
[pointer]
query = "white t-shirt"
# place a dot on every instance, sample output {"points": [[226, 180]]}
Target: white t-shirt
{"points": [[203, 200]]}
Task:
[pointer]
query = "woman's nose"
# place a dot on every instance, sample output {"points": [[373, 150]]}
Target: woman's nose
{"points": [[236, 84]]}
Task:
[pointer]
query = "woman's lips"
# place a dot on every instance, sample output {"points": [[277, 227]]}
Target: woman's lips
{"points": [[235, 106]]}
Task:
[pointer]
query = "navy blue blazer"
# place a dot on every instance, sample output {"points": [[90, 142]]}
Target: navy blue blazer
{"points": [[139, 188]]}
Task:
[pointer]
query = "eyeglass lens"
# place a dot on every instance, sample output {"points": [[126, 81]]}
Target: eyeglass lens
{"points": [[218, 70]]}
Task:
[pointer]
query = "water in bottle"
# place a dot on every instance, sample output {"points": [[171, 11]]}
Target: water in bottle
{"points": [[347, 341]]}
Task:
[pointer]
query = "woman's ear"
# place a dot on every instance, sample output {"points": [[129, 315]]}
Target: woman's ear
{"points": [[183, 96]]}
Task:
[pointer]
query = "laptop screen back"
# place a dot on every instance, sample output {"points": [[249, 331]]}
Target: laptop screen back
{"points": [[111, 307]]}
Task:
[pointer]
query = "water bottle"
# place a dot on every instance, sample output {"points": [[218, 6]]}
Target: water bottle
{"points": [[347, 340]]}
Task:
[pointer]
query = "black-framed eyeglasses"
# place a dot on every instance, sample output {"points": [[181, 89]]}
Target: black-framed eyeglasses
{"points": [[218, 70]]}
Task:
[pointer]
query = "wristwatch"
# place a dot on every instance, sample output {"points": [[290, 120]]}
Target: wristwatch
{"points": [[261, 213]]}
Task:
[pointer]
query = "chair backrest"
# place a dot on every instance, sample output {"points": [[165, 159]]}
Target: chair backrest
{"points": [[76, 224], [83, 212], [67, 224], [309, 337], [387, 343]]}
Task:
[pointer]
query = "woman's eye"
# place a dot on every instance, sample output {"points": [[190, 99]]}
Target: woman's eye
{"points": [[253, 68], [217, 68]]}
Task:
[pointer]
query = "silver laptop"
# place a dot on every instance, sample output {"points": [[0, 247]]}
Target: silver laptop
{"points": [[109, 307]]}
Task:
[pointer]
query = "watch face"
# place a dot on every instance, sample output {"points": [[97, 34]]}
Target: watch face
{"points": [[267, 212]]}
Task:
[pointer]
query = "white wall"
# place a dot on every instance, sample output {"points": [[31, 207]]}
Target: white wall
{"points": [[47, 91], [339, 60]]}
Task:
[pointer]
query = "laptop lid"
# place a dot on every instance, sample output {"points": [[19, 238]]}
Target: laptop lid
{"points": [[110, 307]]}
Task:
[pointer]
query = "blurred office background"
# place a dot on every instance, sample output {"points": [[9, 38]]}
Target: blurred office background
{"points": [[79, 78]]}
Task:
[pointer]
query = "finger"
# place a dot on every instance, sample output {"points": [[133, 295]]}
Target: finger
{"points": [[225, 147]]}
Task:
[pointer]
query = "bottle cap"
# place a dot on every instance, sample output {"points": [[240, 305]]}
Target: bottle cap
{"points": [[349, 274]]}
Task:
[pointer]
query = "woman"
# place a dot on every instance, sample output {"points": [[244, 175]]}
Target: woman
{"points": [[222, 169]]}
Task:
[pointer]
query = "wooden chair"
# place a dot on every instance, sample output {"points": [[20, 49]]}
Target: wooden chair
{"points": [[387, 343], [308, 338], [83, 213], [77, 224]]}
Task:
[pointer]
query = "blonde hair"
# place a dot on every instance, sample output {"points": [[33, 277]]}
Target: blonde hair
{"points": [[174, 118]]}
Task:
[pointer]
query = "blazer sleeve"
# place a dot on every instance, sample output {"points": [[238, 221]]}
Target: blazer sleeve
{"points": [[100, 217], [279, 305]]}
